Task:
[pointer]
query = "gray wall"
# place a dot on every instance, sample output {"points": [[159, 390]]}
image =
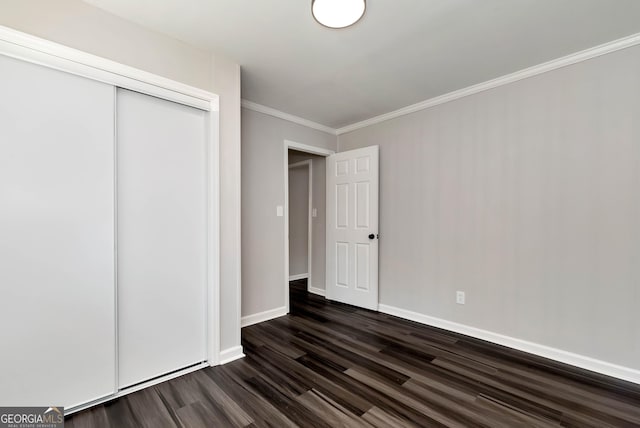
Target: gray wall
{"points": [[319, 202], [76, 24], [299, 220], [527, 197], [263, 163]]}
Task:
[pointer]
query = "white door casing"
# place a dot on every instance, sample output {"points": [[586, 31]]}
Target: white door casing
{"points": [[306, 149], [352, 227]]}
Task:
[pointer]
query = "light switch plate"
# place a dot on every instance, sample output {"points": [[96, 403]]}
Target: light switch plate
{"points": [[279, 210], [314, 212]]}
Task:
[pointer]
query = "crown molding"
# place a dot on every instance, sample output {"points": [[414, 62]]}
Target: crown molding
{"points": [[616, 45], [286, 116]]}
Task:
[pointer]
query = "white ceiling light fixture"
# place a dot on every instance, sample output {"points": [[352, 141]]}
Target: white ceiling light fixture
{"points": [[338, 13]]}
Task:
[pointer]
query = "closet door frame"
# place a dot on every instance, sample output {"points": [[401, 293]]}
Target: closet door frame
{"points": [[32, 49]]}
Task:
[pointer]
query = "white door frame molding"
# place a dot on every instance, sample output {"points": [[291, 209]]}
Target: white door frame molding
{"points": [[314, 151], [32, 49], [309, 165]]}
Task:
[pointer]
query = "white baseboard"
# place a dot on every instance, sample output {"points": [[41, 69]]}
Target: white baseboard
{"points": [[299, 276], [584, 362], [316, 290], [231, 354], [263, 316]]}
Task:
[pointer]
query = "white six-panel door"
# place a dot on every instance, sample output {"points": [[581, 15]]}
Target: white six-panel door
{"points": [[352, 227]]}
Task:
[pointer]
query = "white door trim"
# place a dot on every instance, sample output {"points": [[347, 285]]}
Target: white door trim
{"points": [[308, 164], [314, 151], [32, 49], [307, 149]]}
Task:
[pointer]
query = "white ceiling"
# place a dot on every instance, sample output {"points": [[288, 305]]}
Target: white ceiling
{"points": [[402, 52]]}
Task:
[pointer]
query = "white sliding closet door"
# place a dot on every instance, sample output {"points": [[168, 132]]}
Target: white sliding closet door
{"points": [[162, 236], [57, 291]]}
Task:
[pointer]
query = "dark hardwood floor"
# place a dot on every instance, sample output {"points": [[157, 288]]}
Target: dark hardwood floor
{"points": [[333, 365]]}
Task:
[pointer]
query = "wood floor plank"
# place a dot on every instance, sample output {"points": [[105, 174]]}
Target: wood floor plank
{"points": [[568, 409], [96, 417], [330, 411], [287, 405], [381, 419], [151, 410], [333, 365], [120, 414], [434, 411], [452, 404], [257, 407], [198, 414], [392, 404], [514, 416], [216, 396], [342, 396]]}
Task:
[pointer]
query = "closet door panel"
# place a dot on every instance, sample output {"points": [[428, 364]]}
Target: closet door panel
{"points": [[162, 230], [57, 282]]}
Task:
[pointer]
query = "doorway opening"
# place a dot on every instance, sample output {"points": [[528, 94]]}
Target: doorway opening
{"points": [[305, 209], [301, 210]]}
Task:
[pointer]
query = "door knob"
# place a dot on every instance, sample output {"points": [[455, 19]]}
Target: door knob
{"points": [[372, 236]]}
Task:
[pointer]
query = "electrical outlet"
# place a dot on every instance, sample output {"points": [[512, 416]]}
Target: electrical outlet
{"points": [[314, 212], [460, 297]]}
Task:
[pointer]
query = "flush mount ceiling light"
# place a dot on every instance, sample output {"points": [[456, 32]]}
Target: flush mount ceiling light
{"points": [[337, 13]]}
